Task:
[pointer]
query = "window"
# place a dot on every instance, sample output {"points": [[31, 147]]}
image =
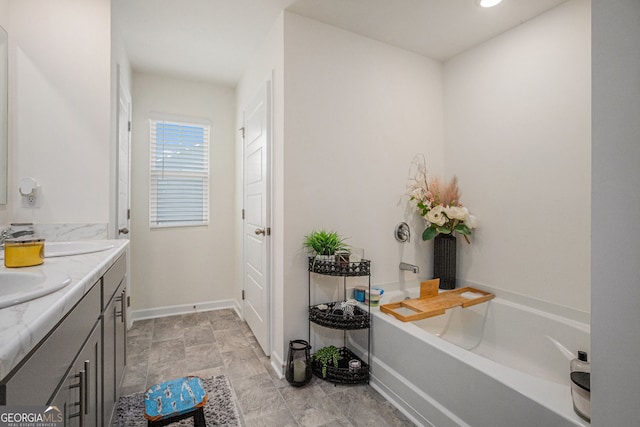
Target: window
{"points": [[178, 174]]}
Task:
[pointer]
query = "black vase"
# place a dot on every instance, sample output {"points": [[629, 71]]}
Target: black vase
{"points": [[444, 260]]}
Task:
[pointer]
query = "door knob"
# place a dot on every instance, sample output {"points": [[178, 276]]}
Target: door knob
{"points": [[123, 230], [260, 231]]}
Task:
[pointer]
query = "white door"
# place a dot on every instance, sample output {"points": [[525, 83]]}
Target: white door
{"points": [[124, 133], [256, 231], [124, 173]]}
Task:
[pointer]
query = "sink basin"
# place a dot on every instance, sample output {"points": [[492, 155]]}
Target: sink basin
{"points": [[20, 286], [78, 247]]}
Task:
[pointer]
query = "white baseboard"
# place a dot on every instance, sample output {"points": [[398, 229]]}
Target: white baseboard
{"points": [[238, 308], [277, 364], [173, 310]]}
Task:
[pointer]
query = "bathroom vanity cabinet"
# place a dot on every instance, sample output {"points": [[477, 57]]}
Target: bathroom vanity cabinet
{"points": [[79, 365], [35, 381], [331, 315], [114, 334], [79, 396]]}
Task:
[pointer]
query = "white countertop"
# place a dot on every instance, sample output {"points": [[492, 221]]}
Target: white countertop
{"points": [[24, 325]]}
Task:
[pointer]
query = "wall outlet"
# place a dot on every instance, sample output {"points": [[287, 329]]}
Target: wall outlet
{"points": [[32, 200]]}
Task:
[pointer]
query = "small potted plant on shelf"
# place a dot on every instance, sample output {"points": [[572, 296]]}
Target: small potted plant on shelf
{"points": [[325, 243], [328, 246], [327, 355]]}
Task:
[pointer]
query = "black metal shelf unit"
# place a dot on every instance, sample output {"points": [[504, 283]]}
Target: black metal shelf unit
{"points": [[326, 315]]}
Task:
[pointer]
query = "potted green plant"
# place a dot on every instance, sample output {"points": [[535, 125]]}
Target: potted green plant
{"points": [[327, 246], [324, 243], [327, 355]]}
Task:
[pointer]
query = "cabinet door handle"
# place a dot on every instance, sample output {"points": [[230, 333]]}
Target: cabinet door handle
{"points": [[81, 385], [122, 314], [123, 302], [83, 375], [124, 320], [87, 388]]}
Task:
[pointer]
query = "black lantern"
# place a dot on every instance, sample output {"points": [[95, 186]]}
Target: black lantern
{"points": [[298, 371]]}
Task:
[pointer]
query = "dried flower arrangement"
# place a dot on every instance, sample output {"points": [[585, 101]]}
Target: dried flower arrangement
{"points": [[438, 204]]}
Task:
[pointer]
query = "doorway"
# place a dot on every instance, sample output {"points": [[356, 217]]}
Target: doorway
{"points": [[256, 277], [123, 173]]}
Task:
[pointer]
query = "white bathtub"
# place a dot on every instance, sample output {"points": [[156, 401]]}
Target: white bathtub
{"points": [[491, 365]]}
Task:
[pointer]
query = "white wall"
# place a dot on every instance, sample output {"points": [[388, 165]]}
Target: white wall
{"points": [[4, 23], [4, 14], [185, 265], [615, 246], [268, 64], [356, 112], [121, 75], [60, 99], [517, 135]]}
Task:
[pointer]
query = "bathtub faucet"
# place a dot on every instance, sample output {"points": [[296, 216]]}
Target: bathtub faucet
{"points": [[409, 267]]}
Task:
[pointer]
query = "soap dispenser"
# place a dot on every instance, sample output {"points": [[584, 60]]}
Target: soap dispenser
{"points": [[581, 385], [580, 364]]}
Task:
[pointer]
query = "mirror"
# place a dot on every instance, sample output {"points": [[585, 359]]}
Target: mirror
{"points": [[4, 113]]}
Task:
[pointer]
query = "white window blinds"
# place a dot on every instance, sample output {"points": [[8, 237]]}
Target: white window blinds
{"points": [[178, 174]]}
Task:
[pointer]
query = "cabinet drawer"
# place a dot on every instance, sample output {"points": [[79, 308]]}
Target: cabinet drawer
{"points": [[112, 279], [34, 381]]}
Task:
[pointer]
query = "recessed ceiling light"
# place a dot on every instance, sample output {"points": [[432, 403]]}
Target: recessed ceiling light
{"points": [[488, 3]]}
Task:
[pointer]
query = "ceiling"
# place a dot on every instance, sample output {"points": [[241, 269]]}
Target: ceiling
{"points": [[214, 40]]}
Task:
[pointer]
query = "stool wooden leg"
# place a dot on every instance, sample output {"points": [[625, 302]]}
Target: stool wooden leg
{"points": [[198, 418]]}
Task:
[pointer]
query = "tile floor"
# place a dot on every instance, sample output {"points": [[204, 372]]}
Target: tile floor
{"points": [[218, 342]]}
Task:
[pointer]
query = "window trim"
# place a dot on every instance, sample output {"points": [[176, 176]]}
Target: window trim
{"points": [[154, 119]]}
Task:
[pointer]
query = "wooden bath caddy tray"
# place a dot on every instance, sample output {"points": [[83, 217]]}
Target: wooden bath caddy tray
{"points": [[431, 303]]}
